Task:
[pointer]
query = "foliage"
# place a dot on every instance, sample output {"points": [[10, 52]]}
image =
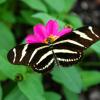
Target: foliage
{"points": [[17, 19]]}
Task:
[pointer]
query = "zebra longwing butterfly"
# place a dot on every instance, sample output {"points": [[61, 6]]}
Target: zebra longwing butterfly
{"points": [[66, 50]]}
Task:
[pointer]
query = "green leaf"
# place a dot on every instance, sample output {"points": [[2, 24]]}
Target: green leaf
{"points": [[2, 76], [27, 17], [96, 47], [2, 1], [69, 5], [10, 70], [46, 17], [36, 4], [70, 95], [74, 20], [90, 78], [52, 96], [68, 77], [1, 92], [15, 94], [31, 87], [57, 5], [8, 17], [6, 37], [61, 5]]}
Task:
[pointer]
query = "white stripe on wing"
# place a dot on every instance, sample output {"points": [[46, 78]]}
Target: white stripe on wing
{"points": [[55, 51], [51, 61], [23, 52], [44, 56], [35, 51], [91, 29], [14, 50], [70, 41], [83, 35], [64, 51]]}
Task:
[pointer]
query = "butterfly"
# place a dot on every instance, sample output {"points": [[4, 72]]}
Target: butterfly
{"points": [[66, 50]]}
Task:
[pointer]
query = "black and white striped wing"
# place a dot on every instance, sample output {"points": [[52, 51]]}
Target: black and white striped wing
{"points": [[66, 50], [69, 48], [38, 56]]}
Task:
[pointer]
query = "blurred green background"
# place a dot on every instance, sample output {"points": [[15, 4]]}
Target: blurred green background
{"points": [[17, 18]]}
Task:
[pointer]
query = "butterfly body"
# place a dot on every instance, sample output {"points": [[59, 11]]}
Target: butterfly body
{"points": [[66, 50]]}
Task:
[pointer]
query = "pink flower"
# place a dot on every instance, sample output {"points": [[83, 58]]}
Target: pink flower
{"points": [[43, 33]]}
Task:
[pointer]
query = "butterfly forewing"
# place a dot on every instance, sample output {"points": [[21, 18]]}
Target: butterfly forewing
{"points": [[79, 39], [38, 56], [69, 47], [67, 57]]}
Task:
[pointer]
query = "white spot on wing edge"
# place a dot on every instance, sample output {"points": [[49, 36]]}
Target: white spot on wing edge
{"points": [[23, 52], [90, 28], [69, 60], [61, 59], [14, 50], [83, 35]]}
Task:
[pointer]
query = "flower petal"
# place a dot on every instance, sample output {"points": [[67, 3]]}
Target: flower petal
{"points": [[32, 38], [52, 27], [40, 31], [64, 31]]}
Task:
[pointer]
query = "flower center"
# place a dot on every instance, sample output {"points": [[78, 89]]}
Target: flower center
{"points": [[50, 39]]}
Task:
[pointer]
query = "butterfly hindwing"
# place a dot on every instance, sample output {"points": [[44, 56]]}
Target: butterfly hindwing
{"points": [[67, 57], [38, 56]]}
